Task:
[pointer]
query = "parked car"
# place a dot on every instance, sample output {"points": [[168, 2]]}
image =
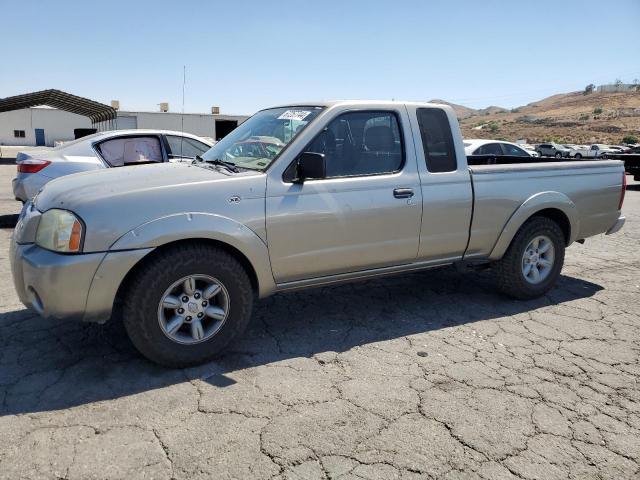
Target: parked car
{"points": [[115, 148], [573, 149], [553, 150], [618, 148], [356, 190], [593, 151], [475, 146]]}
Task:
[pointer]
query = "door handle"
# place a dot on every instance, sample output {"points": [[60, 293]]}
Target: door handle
{"points": [[403, 192]]}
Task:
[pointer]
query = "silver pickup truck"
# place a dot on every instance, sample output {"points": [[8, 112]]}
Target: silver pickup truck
{"points": [[297, 196]]}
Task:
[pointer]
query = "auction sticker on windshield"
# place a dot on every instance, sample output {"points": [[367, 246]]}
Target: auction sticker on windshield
{"points": [[294, 115]]}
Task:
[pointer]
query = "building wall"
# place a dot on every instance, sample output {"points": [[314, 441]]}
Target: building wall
{"points": [[612, 88], [202, 125], [58, 125]]}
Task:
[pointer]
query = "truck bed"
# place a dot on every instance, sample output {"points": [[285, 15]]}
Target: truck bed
{"points": [[592, 187]]}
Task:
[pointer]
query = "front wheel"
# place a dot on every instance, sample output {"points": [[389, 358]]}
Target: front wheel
{"points": [[558, 155], [578, 156], [183, 306], [532, 263]]}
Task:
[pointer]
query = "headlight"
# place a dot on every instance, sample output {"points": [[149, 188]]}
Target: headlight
{"points": [[60, 231]]}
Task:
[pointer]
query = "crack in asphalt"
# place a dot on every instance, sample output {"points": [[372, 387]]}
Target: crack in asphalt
{"points": [[430, 375]]}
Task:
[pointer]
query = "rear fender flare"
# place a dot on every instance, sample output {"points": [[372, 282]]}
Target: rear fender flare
{"points": [[531, 206], [186, 226]]}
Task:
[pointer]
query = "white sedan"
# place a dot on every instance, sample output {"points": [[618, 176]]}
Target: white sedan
{"points": [[494, 147], [117, 148]]}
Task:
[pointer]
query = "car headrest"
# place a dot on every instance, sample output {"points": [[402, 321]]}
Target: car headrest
{"points": [[379, 139]]}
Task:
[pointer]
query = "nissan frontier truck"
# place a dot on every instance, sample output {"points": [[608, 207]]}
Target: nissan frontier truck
{"points": [[298, 196]]}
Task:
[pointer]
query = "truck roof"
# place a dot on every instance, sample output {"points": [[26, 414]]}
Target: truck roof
{"points": [[331, 103]]}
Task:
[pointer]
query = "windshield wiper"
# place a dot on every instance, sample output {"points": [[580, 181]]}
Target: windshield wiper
{"points": [[216, 161]]}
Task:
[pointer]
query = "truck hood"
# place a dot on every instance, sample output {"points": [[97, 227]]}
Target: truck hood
{"points": [[113, 201]]}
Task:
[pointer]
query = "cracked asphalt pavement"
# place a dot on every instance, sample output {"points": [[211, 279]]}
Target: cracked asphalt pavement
{"points": [[428, 375]]}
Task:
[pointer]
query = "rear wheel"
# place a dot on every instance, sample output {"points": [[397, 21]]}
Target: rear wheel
{"points": [[533, 261], [184, 305], [578, 156], [558, 155]]}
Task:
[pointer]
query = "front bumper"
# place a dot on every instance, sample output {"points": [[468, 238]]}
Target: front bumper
{"points": [[82, 286], [616, 226]]}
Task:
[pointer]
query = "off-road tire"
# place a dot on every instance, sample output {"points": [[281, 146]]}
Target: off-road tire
{"points": [[144, 290], [508, 271]]}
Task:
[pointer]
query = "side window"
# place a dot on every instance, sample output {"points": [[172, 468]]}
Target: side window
{"points": [[437, 141], [489, 149], [361, 143], [121, 151], [184, 147], [514, 151]]}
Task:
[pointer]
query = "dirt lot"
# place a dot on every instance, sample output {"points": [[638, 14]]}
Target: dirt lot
{"points": [[429, 375]]}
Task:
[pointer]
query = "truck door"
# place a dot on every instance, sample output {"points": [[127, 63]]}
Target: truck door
{"points": [[366, 212], [447, 196]]}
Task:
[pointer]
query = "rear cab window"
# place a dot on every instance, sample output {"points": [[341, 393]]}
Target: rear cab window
{"points": [[437, 140]]}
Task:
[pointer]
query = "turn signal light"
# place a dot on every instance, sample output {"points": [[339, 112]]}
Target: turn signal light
{"points": [[75, 237], [32, 165]]}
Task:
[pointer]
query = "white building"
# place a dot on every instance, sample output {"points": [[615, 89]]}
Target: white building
{"points": [[617, 87], [44, 125]]}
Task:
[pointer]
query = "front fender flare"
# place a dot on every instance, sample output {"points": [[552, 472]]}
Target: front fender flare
{"points": [[531, 206], [198, 225]]}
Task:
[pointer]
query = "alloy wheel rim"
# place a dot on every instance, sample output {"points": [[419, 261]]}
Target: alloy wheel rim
{"points": [[193, 309], [538, 259]]}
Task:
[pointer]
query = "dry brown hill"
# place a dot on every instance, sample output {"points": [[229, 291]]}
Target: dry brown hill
{"points": [[461, 110], [565, 118]]}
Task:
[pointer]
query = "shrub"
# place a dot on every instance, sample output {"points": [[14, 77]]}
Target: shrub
{"points": [[493, 127], [584, 116], [515, 110], [597, 111], [589, 89], [630, 139]]}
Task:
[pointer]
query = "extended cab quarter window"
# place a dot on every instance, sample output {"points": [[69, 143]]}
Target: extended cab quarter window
{"points": [[121, 151], [361, 143], [437, 140]]}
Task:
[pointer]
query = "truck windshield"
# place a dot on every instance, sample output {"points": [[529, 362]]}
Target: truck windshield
{"points": [[258, 141]]}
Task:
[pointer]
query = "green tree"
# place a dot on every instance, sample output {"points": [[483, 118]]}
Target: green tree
{"points": [[630, 139], [589, 89]]}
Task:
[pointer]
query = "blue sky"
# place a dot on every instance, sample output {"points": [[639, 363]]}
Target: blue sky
{"points": [[245, 55]]}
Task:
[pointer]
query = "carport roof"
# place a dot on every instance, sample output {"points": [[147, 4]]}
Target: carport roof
{"points": [[96, 111]]}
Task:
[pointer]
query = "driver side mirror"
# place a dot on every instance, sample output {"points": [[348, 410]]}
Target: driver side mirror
{"points": [[310, 166]]}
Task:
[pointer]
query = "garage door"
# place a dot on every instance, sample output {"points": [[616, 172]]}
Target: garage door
{"points": [[123, 123]]}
